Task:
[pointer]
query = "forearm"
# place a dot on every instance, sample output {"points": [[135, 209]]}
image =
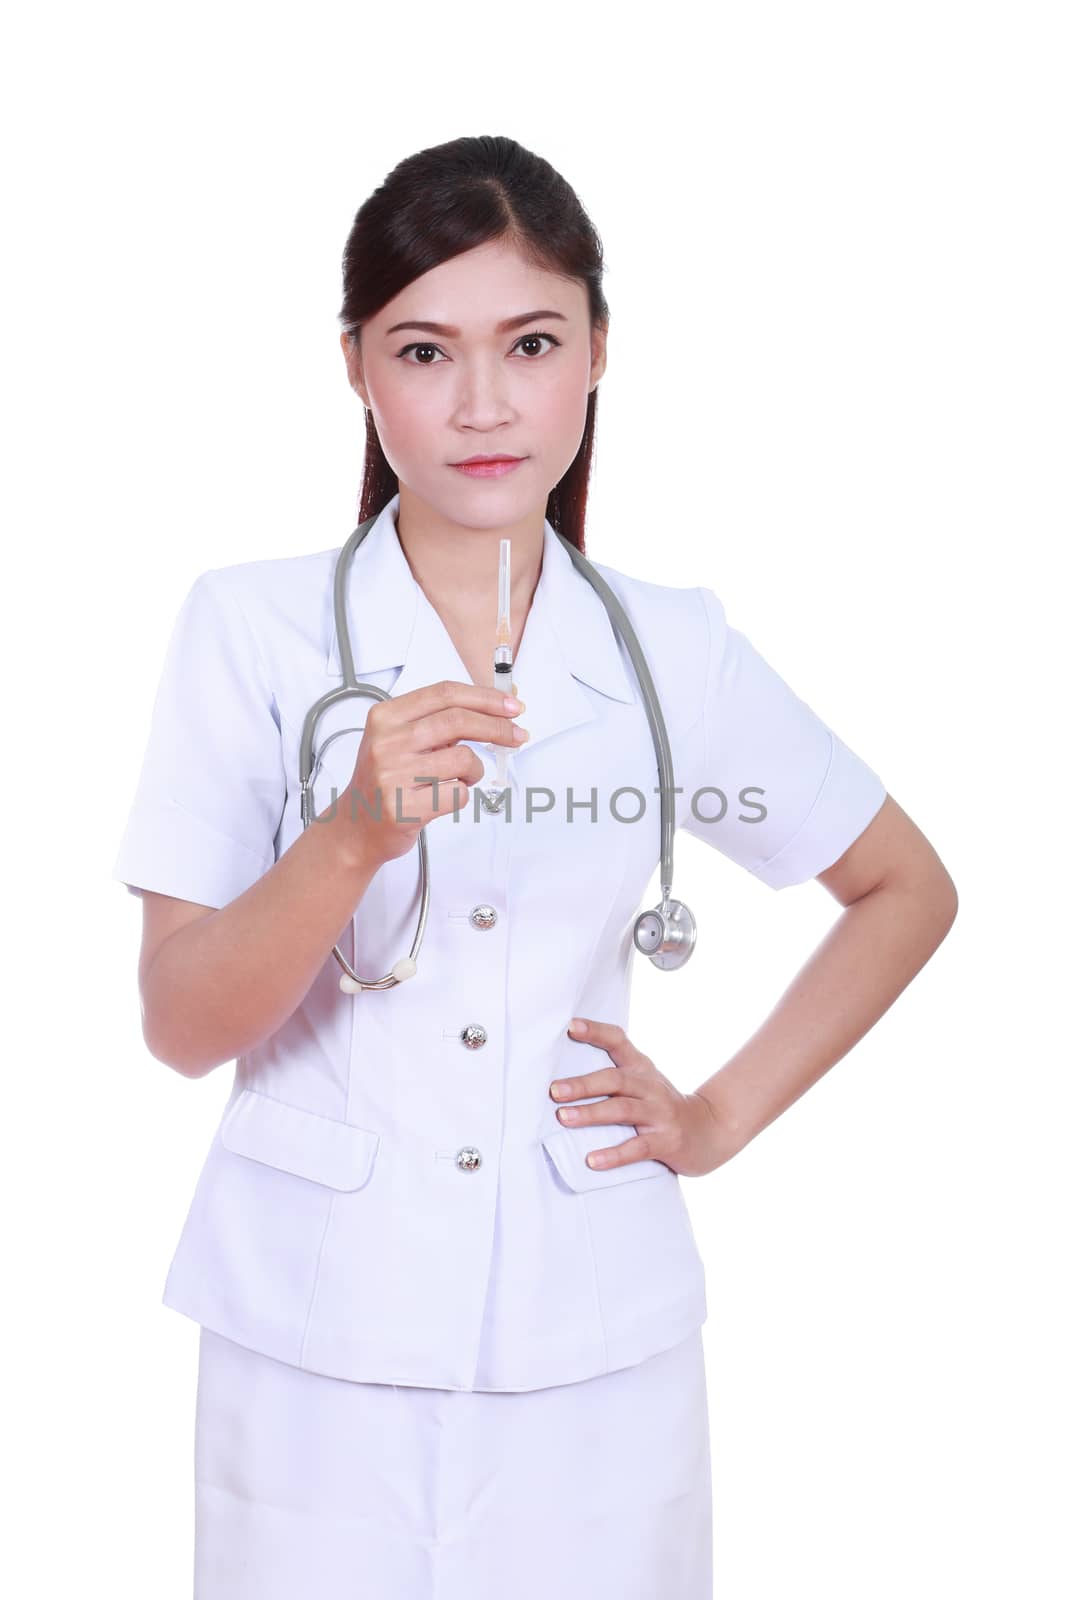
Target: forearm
{"points": [[874, 949], [225, 982]]}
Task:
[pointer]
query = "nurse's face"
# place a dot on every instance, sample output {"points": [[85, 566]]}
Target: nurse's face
{"points": [[446, 379]]}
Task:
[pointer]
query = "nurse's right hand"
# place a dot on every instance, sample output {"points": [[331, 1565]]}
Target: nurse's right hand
{"points": [[412, 740]]}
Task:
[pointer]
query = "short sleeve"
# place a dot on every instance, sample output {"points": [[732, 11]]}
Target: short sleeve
{"points": [[776, 789], [211, 792]]}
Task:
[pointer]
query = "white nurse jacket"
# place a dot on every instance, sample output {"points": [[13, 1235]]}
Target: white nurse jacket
{"points": [[332, 1226]]}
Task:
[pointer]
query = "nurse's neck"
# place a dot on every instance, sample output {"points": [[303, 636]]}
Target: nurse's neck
{"points": [[457, 569]]}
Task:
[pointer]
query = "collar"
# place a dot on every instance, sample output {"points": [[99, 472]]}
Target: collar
{"points": [[568, 641]]}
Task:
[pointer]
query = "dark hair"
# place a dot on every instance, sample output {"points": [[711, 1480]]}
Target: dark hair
{"points": [[439, 203]]}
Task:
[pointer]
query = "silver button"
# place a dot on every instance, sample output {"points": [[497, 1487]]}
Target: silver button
{"points": [[473, 1035], [468, 1158], [483, 916]]}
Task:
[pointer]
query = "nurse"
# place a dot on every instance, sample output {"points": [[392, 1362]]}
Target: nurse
{"points": [[449, 1297]]}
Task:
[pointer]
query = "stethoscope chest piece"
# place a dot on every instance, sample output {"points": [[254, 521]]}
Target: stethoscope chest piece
{"points": [[666, 934]]}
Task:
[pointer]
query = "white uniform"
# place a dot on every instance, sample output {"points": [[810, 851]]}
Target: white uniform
{"points": [[334, 1227]]}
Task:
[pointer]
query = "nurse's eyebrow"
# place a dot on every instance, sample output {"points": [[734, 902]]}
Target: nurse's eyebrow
{"points": [[501, 327]]}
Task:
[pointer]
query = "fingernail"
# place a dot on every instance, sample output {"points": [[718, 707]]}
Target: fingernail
{"points": [[560, 1090], [577, 1026], [512, 704], [520, 733]]}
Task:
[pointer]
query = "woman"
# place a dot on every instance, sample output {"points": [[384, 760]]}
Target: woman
{"points": [[445, 1349]]}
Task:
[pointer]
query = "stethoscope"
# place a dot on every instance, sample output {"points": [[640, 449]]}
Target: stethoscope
{"points": [[666, 933]]}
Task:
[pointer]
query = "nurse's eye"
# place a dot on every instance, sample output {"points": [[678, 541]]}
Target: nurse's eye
{"points": [[526, 338], [420, 348], [534, 338]]}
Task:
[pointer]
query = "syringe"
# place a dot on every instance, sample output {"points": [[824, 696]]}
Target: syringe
{"points": [[502, 665]]}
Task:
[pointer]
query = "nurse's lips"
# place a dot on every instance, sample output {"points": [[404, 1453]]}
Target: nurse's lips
{"points": [[488, 466]]}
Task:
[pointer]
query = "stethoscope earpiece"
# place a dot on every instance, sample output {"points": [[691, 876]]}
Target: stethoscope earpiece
{"points": [[404, 968]]}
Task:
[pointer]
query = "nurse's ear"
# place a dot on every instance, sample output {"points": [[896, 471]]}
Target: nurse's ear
{"points": [[598, 343], [353, 362]]}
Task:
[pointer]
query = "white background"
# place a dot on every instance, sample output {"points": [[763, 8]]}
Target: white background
{"points": [[833, 236]]}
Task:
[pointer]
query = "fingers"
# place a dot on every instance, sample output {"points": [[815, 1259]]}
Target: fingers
{"points": [[638, 1148], [441, 728], [634, 1093], [605, 1034], [412, 765], [615, 1108], [454, 762], [612, 1038], [441, 713], [446, 692], [615, 1082]]}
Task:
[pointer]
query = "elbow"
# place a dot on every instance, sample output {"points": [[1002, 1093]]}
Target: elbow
{"points": [[946, 902], [193, 1069], [930, 889], [169, 1052], [170, 1034], [934, 899]]}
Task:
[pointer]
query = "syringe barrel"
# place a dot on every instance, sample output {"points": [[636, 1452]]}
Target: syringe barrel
{"points": [[504, 667]]}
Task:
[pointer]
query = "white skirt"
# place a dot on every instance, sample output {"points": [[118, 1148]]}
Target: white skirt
{"points": [[315, 1488]]}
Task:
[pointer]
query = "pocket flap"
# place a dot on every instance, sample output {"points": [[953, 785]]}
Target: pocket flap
{"points": [[321, 1149], [569, 1146]]}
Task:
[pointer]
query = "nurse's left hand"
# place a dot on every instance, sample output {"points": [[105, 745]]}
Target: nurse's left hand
{"points": [[679, 1129]]}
